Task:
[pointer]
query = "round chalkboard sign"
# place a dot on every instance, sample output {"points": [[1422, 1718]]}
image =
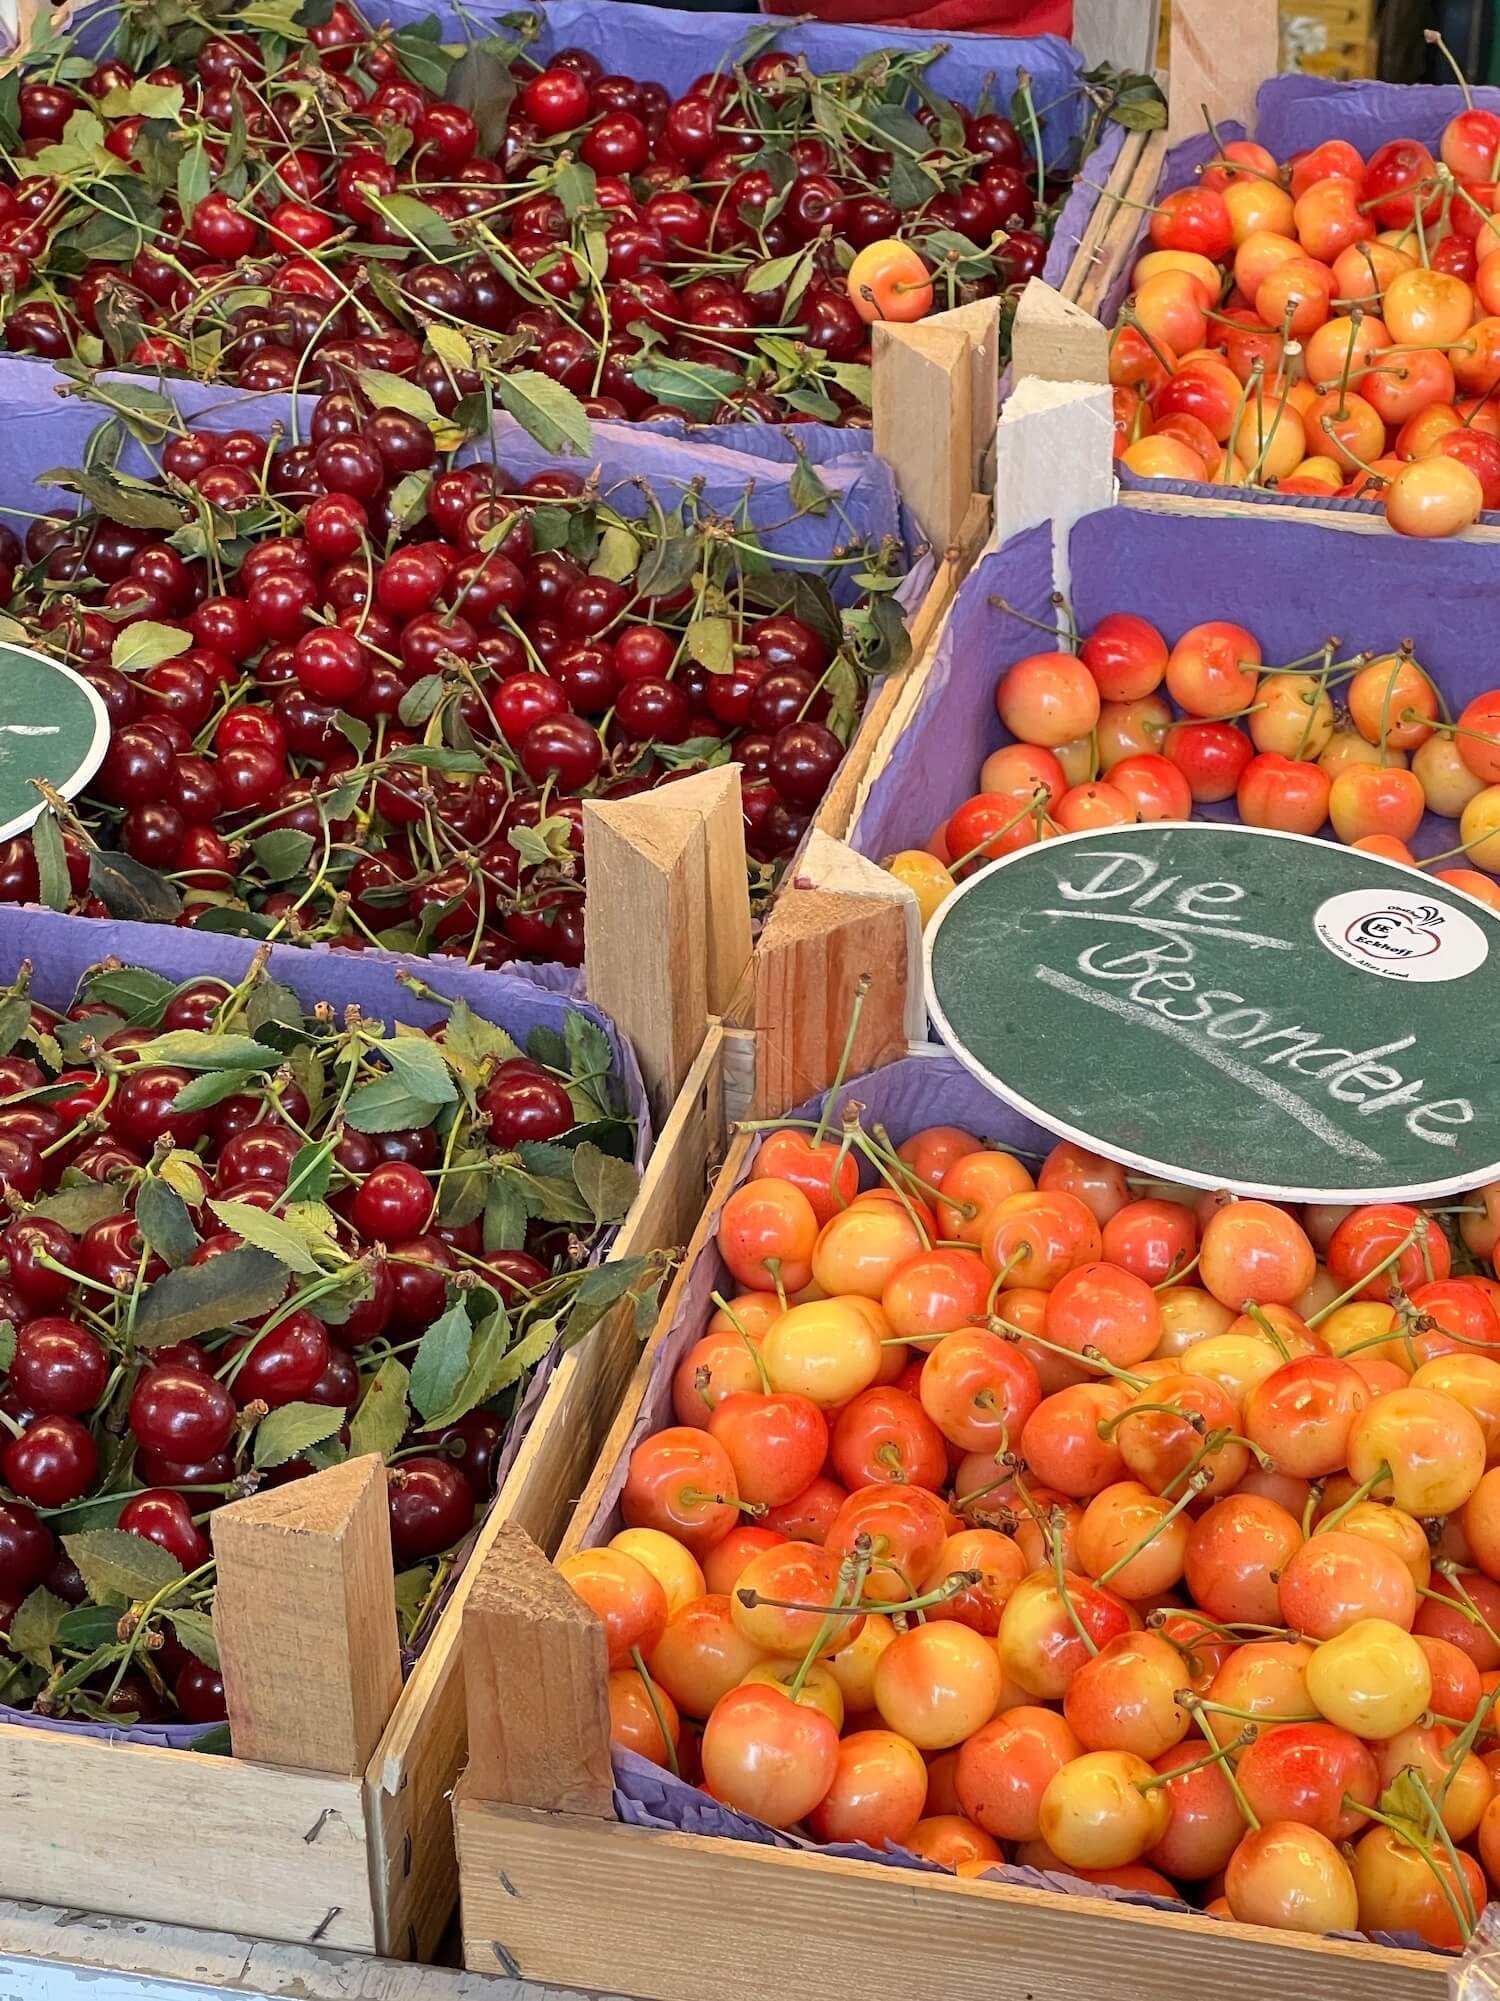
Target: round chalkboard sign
{"points": [[52, 726], [1233, 1008]]}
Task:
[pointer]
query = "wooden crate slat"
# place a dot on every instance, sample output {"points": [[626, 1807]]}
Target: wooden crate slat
{"points": [[277, 1853], [413, 1772], [672, 1917]]}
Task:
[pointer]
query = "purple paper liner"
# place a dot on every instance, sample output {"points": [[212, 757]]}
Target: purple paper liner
{"points": [[61, 950], [913, 1092], [1292, 584]]}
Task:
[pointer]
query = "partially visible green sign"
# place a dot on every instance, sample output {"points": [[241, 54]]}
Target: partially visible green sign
{"points": [[53, 726], [1232, 1007]]}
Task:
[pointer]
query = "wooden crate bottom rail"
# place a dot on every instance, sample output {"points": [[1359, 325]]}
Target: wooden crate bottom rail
{"points": [[677, 1917]]}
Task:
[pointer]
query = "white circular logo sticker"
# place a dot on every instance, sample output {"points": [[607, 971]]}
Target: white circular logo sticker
{"points": [[1401, 935]]}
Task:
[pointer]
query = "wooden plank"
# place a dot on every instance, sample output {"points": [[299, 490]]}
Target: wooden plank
{"points": [[836, 808], [1106, 208], [1218, 58], [1120, 32], [1056, 459], [170, 1835], [1055, 340], [923, 415], [618, 1436], [413, 1772], [535, 1666], [50, 1954], [673, 1916], [715, 797], [646, 930], [840, 919], [305, 1618], [1116, 249]]}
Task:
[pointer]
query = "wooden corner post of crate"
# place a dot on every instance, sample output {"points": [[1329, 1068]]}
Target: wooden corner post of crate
{"points": [[1220, 52], [840, 920], [667, 927], [1054, 340], [1056, 459], [936, 396], [305, 1619]]}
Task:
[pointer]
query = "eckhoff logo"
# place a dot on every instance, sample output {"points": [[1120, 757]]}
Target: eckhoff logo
{"points": [[1389, 934]]}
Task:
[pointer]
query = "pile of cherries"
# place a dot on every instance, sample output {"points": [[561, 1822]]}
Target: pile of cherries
{"points": [[1106, 1527], [1131, 728], [273, 204], [225, 1265], [1331, 327], [362, 694]]}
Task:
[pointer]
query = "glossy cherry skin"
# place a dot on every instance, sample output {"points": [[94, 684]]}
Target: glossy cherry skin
{"points": [[181, 1415], [53, 1462], [166, 1518], [59, 1366], [431, 1507]]}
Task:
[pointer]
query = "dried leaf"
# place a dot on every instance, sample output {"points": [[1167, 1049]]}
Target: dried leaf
{"points": [[239, 1286]]}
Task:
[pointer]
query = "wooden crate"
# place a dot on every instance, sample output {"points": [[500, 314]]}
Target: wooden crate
{"points": [[354, 1849], [672, 1916]]}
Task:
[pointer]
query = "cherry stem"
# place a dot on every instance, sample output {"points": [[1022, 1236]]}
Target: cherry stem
{"points": [[1361, 1493], [739, 1327], [1464, 1596], [1267, 1327], [694, 1497], [958, 1580], [1176, 1277], [1090, 1357], [656, 1709], [773, 1266], [1434, 40], [1241, 1743], [1468, 1734], [1418, 1229], [997, 1285], [1407, 1833], [851, 1580], [1195, 1420], [1195, 1487], [1057, 1523], [857, 1007], [1197, 1707]]}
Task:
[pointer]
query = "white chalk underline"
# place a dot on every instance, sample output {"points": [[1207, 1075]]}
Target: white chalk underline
{"points": [[1176, 924], [1274, 1093]]}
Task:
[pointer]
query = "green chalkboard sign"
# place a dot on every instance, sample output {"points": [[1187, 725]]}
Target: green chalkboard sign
{"points": [[53, 726], [1233, 1008]]}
